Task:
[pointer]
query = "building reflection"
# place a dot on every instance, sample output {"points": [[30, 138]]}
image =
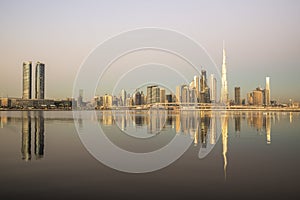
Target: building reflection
{"points": [[262, 123], [153, 120], [213, 130], [107, 117], [26, 136], [224, 124], [291, 117], [237, 123], [38, 137], [201, 126], [267, 127]]}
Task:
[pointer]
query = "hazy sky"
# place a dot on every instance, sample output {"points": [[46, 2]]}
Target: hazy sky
{"points": [[262, 38]]}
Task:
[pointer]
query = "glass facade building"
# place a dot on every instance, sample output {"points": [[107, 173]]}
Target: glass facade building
{"points": [[40, 81], [27, 80]]}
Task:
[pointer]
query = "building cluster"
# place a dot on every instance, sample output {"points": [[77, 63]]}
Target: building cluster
{"points": [[36, 101], [259, 96], [154, 95], [200, 91], [197, 91]]}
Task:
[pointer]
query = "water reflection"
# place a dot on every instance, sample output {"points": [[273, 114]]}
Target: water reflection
{"points": [[262, 123], [201, 126], [204, 127], [26, 136], [38, 135], [224, 124]]}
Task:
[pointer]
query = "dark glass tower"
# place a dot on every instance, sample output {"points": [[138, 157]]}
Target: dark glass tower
{"points": [[237, 96], [40, 81]]}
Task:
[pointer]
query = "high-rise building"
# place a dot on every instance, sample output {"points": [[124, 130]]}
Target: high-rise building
{"points": [[213, 88], [258, 97], [224, 91], [169, 98], [178, 94], [40, 81], [162, 95], [250, 98], [149, 94], [237, 96], [142, 98], [185, 96], [193, 95], [137, 99], [27, 80], [155, 94], [123, 97], [267, 92], [203, 80], [204, 96], [107, 101], [196, 84], [80, 98]]}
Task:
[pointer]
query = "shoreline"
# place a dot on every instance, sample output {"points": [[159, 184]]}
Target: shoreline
{"points": [[288, 109]]}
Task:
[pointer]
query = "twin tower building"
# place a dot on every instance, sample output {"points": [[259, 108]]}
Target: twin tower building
{"points": [[39, 80]]}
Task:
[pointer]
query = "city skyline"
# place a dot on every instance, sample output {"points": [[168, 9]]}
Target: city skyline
{"points": [[262, 43]]}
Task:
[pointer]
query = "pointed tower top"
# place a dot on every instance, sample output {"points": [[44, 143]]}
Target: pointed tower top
{"points": [[224, 53]]}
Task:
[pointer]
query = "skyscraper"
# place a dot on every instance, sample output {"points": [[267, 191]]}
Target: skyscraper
{"points": [[27, 80], [178, 92], [155, 94], [40, 81], [196, 84], [213, 88], [185, 96], [267, 92], [162, 95], [80, 98], [204, 90], [224, 91], [137, 98], [237, 96], [123, 97], [149, 94], [258, 97], [203, 80]]}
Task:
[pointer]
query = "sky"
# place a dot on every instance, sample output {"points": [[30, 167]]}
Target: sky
{"points": [[261, 37]]}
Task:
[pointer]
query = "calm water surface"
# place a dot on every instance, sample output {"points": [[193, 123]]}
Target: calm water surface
{"points": [[249, 155]]}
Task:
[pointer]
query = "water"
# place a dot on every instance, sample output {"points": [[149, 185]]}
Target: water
{"points": [[230, 155]]}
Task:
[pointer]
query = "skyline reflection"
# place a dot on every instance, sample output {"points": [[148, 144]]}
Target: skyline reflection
{"points": [[218, 158], [204, 127], [38, 135]]}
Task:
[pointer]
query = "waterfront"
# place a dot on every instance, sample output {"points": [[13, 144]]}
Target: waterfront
{"points": [[252, 154]]}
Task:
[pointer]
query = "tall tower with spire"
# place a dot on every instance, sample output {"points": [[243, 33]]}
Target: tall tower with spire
{"points": [[224, 90]]}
